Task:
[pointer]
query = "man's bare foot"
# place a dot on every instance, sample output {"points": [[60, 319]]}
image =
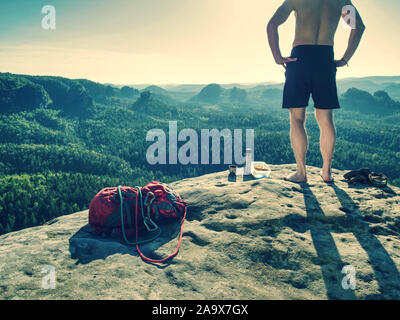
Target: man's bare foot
{"points": [[327, 177], [296, 178]]}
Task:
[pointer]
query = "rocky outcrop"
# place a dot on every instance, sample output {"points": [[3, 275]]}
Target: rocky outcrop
{"points": [[243, 239]]}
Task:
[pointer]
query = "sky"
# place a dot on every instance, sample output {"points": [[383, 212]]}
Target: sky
{"points": [[176, 41]]}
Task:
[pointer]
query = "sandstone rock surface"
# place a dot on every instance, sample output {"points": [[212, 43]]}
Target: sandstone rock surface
{"points": [[251, 239]]}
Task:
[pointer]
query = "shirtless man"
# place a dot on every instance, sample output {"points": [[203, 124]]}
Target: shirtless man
{"points": [[311, 70]]}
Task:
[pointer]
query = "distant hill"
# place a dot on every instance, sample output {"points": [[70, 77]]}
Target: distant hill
{"points": [[155, 89], [151, 105], [383, 79], [129, 92], [237, 95], [31, 92], [184, 87], [370, 84], [378, 103], [390, 84], [364, 83], [393, 89], [163, 95], [211, 93], [196, 87], [20, 94], [216, 94], [76, 97]]}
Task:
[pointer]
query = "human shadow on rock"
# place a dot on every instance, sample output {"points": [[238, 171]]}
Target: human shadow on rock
{"points": [[385, 270], [328, 256]]}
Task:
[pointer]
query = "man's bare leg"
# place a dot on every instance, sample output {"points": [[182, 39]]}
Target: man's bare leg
{"points": [[327, 141], [299, 140]]}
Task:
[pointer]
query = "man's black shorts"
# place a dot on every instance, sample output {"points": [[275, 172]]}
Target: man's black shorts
{"points": [[314, 73]]}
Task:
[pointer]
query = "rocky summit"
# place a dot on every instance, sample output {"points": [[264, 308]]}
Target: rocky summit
{"points": [[243, 239]]}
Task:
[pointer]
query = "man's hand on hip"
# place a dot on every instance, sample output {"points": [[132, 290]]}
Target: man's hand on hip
{"points": [[340, 63], [285, 61]]}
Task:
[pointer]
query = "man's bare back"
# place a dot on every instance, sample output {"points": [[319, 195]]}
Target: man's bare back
{"points": [[316, 21], [316, 24]]}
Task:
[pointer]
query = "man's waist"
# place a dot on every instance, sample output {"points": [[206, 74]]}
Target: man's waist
{"points": [[313, 52]]}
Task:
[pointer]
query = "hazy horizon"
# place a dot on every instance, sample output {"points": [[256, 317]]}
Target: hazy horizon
{"points": [[175, 42], [239, 83], [140, 84]]}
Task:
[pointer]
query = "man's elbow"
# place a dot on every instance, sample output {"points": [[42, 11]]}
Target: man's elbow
{"points": [[271, 25], [360, 26]]}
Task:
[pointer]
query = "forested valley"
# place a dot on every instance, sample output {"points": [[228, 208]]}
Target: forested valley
{"points": [[63, 140]]}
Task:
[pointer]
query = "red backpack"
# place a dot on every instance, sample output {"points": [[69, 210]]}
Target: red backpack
{"points": [[129, 211]]}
